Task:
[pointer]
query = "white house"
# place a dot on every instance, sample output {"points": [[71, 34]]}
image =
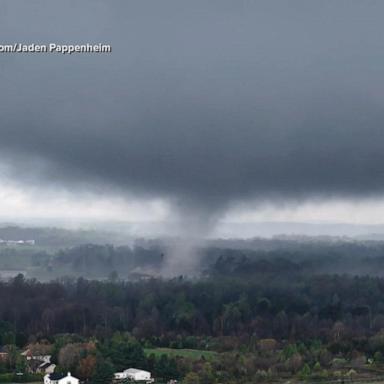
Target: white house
{"points": [[120, 375], [134, 374], [60, 378]]}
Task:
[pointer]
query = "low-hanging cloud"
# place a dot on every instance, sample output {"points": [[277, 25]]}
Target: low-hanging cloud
{"points": [[202, 103]]}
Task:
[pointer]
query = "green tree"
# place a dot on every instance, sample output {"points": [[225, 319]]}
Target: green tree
{"points": [[21, 364], [166, 367], [124, 352], [207, 375], [191, 378], [378, 357], [305, 371], [103, 373], [13, 353]]}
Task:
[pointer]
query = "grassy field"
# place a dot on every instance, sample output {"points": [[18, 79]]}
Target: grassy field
{"points": [[194, 354]]}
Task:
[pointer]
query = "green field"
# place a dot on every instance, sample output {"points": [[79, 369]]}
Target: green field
{"points": [[194, 354]]}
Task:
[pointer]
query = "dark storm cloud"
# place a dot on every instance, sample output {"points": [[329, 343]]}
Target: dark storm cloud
{"points": [[204, 102]]}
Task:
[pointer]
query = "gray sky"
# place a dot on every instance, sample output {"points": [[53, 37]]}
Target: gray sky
{"points": [[206, 108]]}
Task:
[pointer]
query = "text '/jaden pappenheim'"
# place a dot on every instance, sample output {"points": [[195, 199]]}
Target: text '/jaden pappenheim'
{"points": [[55, 48]]}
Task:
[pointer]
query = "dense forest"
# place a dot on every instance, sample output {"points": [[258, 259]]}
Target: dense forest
{"points": [[274, 306], [256, 310], [256, 325], [144, 258]]}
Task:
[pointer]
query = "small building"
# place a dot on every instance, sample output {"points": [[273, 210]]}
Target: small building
{"points": [[30, 356], [60, 378], [3, 354], [38, 362], [46, 368], [134, 375]]}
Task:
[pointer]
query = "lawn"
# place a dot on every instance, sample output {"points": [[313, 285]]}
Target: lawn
{"points": [[194, 354]]}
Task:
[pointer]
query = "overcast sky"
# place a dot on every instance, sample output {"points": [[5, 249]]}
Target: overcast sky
{"points": [[206, 110]]}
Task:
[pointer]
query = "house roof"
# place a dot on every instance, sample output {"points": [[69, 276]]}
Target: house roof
{"points": [[134, 370], [57, 376], [34, 364]]}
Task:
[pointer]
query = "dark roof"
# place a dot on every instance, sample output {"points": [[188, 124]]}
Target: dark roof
{"points": [[34, 363], [57, 376]]}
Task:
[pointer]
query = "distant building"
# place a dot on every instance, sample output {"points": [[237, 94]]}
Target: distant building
{"points": [[134, 375], [60, 378], [46, 368], [38, 366], [30, 356], [38, 363], [3, 354], [17, 242]]}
